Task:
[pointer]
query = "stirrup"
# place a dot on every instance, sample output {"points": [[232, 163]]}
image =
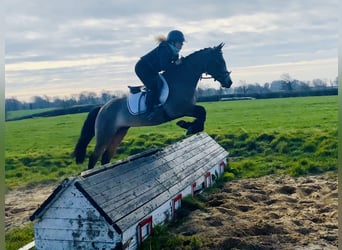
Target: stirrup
{"points": [[135, 89]]}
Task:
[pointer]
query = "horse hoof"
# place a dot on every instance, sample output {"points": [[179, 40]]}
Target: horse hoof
{"points": [[183, 124], [193, 130]]}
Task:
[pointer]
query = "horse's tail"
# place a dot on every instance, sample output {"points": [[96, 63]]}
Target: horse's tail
{"points": [[87, 133]]}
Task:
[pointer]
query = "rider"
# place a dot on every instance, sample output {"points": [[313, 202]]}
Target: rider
{"points": [[161, 58]]}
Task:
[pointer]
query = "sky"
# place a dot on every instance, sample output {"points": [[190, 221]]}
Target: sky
{"points": [[66, 47]]}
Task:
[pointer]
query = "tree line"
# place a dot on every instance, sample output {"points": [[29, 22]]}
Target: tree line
{"points": [[286, 86]]}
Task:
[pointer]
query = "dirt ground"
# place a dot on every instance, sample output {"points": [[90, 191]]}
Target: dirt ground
{"points": [[263, 213], [270, 213], [21, 204]]}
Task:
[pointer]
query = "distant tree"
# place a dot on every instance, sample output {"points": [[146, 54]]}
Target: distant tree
{"points": [[243, 87], [319, 83], [12, 104], [87, 98], [63, 103], [301, 86], [336, 81], [209, 92], [255, 88], [267, 86], [92, 98], [106, 96], [287, 82], [39, 102], [276, 86]]}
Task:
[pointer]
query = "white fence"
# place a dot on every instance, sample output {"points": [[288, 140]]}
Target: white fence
{"points": [[27, 246]]}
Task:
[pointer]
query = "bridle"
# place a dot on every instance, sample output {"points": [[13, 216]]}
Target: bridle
{"points": [[212, 76], [220, 77]]}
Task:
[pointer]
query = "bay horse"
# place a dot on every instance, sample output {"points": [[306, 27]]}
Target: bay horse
{"points": [[110, 123]]}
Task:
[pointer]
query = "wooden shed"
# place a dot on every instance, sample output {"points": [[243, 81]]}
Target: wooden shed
{"points": [[117, 205]]}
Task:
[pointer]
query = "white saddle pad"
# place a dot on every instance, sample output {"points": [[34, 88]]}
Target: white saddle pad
{"points": [[136, 103]]}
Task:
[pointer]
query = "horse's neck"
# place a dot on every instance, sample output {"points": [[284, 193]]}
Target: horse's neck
{"points": [[190, 71], [197, 61]]}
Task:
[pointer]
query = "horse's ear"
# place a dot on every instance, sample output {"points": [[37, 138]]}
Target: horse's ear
{"points": [[220, 46]]}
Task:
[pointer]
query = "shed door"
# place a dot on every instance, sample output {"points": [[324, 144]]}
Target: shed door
{"points": [[221, 168], [207, 180], [145, 228], [193, 189], [177, 203]]}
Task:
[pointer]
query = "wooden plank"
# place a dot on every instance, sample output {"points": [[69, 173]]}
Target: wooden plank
{"points": [[136, 215], [119, 170], [198, 161], [72, 213], [47, 234], [120, 195], [145, 166], [75, 244], [73, 223], [132, 177], [116, 191], [154, 188], [124, 208], [111, 174], [71, 198], [118, 180], [157, 201]]}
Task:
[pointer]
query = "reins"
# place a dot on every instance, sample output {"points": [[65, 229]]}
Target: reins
{"points": [[205, 69]]}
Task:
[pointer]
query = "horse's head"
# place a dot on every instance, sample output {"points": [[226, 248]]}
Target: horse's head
{"points": [[216, 67]]}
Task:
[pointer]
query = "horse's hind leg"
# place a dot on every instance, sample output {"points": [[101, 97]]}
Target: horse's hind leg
{"points": [[102, 143], [116, 141], [98, 151]]}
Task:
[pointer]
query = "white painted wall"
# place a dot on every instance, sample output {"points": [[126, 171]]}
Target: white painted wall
{"points": [[73, 223], [159, 216]]}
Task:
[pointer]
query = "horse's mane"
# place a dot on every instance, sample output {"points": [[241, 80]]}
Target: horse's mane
{"points": [[193, 58], [196, 53]]}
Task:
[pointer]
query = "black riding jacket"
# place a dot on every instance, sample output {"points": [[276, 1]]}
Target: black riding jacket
{"points": [[161, 58]]}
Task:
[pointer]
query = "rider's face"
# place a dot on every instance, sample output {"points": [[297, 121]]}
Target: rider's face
{"points": [[179, 45]]}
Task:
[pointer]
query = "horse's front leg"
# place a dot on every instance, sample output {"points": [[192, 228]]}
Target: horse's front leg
{"points": [[198, 124]]}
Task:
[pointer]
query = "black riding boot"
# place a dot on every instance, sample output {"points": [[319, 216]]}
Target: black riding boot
{"points": [[152, 99], [149, 100]]}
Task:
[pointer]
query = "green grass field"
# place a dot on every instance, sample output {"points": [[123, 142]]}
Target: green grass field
{"points": [[290, 135], [294, 136], [20, 113]]}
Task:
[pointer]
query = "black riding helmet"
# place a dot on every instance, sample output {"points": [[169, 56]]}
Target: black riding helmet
{"points": [[175, 36]]}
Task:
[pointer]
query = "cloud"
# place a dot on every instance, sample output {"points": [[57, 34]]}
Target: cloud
{"points": [[321, 68], [43, 65], [60, 44]]}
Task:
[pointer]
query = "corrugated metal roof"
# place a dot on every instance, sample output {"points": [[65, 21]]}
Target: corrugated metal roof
{"points": [[127, 191]]}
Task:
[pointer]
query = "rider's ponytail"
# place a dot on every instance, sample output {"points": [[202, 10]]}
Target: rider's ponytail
{"points": [[160, 38]]}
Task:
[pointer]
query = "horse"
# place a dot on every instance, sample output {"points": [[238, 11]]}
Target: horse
{"points": [[110, 123]]}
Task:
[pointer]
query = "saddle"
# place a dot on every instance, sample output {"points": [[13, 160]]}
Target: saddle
{"points": [[136, 100]]}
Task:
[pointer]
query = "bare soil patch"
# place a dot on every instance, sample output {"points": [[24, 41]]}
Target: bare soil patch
{"points": [[20, 204], [263, 213], [269, 213]]}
